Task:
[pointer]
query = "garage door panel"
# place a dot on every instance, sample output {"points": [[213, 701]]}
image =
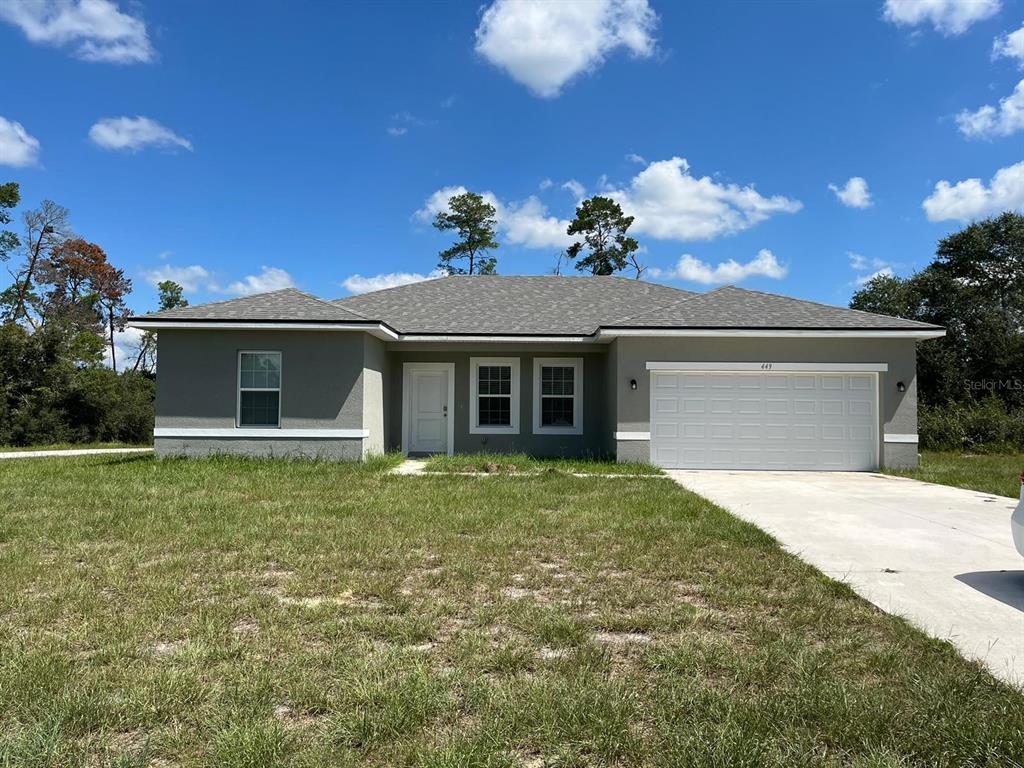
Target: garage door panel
{"points": [[775, 420]]}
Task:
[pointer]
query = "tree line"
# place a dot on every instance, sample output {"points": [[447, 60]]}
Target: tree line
{"points": [[604, 248], [60, 317], [970, 382]]}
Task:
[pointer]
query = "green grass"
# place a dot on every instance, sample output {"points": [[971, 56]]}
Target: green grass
{"points": [[521, 462], [226, 612], [68, 446], [989, 473]]}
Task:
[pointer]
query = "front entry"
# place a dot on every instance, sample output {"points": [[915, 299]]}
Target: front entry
{"points": [[428, 405]]}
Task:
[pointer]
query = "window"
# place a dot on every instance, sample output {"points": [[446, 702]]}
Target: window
{"points": [[259, 389], [558, 395], [494, 395]]}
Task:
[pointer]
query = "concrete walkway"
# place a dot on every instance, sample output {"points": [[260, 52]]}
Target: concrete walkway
{"points": [[69, 452], [941, 557]]}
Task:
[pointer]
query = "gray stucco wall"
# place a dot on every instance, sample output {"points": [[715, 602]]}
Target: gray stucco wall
{"points": [[593, 441], [321, 388], [898, 411]]}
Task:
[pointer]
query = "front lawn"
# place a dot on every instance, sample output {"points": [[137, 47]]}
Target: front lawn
{"points": [[226, 612], [997, 473], [521, 462]]}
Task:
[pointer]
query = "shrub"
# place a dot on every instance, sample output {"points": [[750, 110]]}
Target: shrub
{"points": [[983, 426]]}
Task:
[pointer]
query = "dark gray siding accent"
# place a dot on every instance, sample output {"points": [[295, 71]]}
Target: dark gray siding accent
{"points": [[593, 441]]}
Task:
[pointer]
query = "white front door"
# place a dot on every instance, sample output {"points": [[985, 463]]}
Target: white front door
{"points": [[792, 420], [428, 402]]}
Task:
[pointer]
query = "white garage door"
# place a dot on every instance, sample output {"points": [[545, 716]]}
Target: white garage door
{"points": [[795, 420]]}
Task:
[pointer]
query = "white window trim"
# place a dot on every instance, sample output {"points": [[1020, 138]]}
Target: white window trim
{"points": [[474, 400], [238, 388], [576, 363]]}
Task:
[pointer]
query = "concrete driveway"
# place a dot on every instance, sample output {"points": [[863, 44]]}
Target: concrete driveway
{"points": [[939, 556]]}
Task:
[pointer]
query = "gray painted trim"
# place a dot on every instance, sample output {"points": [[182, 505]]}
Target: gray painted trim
{"points": [[270, 433], [766, 367], [895, 438]]}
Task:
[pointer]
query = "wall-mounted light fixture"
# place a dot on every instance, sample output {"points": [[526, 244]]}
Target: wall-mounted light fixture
{"points": [[632, 383], [901, 387]]}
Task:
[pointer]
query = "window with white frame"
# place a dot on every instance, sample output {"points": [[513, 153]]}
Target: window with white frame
{"points": [[259, 389], [494, 395], [558, 395]]}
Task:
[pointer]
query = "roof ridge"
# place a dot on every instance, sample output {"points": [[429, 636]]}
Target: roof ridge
{"points": [[332, 305], [823, 304], [688, 295]]}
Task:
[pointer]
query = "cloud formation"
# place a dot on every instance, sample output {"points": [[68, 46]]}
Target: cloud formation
{"points": [[134, 133], [991, 122], [364, 284], [947, 17], [191, 278], [17, 147], [862, 264], [1010, 46], [854, 193], [671, 204], [96, 30], [972, 198], [693, 270], [544, 45], [198, 279]]}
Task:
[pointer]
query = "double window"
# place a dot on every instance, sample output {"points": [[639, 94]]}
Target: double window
{"points": [[494, 395], [259, 389], [558, 395]]}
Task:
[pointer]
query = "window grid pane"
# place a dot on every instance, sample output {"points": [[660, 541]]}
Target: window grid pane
{"points": [[259, 409], [494, 411], [556, 412], [494, 380], [557, 380]]}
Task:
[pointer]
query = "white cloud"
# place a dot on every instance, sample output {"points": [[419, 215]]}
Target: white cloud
{"points": [[364, 284], [694, 270], [96, 28], [865, 279], [126, 347], [671, 204], [191, 278], [269, 279], [854, 193], [1010, 46], [635, 158], [17, 147], [860, 263], [546, 184], [575, 189], [397, 130], [988, 121], [544, 44], [134, 133], [948, 17], [970, 198], [525, 223]]}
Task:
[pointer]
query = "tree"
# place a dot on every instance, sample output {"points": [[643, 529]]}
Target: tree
{"points": [[603, 225], [171, 296], [474, 220], [10, 196], [974, 289], [111, 287], [45, 229]]}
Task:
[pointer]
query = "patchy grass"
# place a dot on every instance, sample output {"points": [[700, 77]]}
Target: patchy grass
{"points": [[226, 612], [989, 473], [71, 446], [521, 462]]}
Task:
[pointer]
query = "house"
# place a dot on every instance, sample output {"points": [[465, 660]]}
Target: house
{"points": [[551, 366]]}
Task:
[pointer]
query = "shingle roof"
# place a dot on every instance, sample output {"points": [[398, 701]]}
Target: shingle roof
{"points": [[542, 306], [286, 305], [732, 307], [508, 305]]}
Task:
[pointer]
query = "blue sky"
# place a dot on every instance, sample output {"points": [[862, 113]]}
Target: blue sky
{"points": [[239, 147]]}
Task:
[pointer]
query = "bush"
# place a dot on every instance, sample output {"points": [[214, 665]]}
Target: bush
{"points": [[983, 426]]}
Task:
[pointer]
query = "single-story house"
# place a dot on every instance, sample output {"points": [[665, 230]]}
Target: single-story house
{"points": [[550, 366]]}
